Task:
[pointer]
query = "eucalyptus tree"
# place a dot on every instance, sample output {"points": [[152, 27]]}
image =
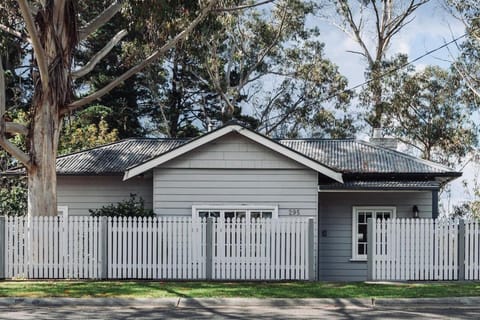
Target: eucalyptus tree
{"points": [[269, 63], [427, 112], [468, 63], [53, 33], [373, 25]]}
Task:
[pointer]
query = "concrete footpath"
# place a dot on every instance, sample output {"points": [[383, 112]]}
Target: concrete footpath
{"points": [[238, 308], [240, 302]]}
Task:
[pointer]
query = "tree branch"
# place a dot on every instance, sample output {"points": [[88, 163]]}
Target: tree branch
{"points": [[348, 15], [13, 127], [12, 149], [88, 67], [247, 6], [15, 152], [100, 20], [155, 55], [14, 33], [467, 79], [37, 46], [265, 52]]}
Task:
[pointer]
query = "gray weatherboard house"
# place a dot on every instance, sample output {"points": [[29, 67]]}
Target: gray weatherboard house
{"points": [[340, 183]]}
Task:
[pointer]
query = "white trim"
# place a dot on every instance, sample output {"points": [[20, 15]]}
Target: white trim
{"points": [[236, 207], [266, 142], [355, 210]]}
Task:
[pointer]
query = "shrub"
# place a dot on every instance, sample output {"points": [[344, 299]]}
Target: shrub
{"points": [[132, 207]]}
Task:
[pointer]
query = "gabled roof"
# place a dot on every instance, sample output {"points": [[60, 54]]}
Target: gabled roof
{"points": [[223, 131], [114, 158], [347, 157], [353, 156]]}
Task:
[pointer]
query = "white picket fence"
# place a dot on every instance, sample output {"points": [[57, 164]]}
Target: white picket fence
{"points": [[262, 250], [423, 249], [157, 248], [472, 250]]}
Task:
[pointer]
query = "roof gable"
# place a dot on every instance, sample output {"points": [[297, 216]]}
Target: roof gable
{"points": [[252, 136], [232, 151]]}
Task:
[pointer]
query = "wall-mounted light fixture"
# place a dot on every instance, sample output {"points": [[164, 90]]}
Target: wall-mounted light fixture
{"points": [[415, 211]]}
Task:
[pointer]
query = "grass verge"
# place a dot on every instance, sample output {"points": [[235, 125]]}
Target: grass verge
{"points": [[157, 289]]}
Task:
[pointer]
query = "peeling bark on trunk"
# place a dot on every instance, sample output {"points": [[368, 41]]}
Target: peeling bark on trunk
{"points": [[57, 30], [42, 177]]}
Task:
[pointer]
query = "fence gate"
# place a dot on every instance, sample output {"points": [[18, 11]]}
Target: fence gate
{"points": [[157, 248]]}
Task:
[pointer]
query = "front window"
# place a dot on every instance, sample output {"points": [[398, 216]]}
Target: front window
{"points": [[359, 227], [230, 213]]}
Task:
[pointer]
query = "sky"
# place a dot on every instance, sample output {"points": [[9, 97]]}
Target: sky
{"points": [[432, 27]]}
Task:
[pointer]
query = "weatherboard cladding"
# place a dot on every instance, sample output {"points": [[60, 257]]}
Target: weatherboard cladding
{"points": [[346, 156]]}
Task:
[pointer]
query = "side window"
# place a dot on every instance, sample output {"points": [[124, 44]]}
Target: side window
{"points": [[360, 216]]}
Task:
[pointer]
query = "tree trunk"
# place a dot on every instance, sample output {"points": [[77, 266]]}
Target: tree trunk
{"points": [[57, 30], [42, 177]]}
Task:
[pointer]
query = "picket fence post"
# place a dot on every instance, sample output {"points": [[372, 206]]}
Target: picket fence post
{"points": [[209, 249], [461, 249], [370, 248], [2, 247], [103, 247], [311, 251]]}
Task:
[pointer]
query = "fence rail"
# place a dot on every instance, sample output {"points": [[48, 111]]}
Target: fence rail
{"points": [[423, 249], [158, 248]]}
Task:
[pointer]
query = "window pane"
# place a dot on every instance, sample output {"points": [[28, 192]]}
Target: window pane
{"points": [[267, 214], [362, 232], [361, 248], [203, 214], [255, 215], [241, 214], [214, 214], [229, 214], [361, 217]]}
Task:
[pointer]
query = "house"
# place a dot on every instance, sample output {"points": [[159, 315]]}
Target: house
{"points": [[235, 172]]}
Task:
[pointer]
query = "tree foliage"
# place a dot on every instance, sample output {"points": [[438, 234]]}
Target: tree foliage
{"points": [[271, 62], [426, 112], [373, 25], [467, 65]]}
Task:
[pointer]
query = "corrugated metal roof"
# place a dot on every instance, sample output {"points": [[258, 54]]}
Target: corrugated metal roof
{"points": [[353, 156], [382, 185], [345, 156], [114, 157]]}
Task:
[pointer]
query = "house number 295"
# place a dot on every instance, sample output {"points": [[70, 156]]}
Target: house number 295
{"points": [[294, 212]]}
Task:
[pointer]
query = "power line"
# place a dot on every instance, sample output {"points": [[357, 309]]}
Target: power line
{"points": [[407, 63]]}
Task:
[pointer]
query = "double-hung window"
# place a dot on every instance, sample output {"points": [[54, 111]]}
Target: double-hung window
{"points": [[360, 218]]}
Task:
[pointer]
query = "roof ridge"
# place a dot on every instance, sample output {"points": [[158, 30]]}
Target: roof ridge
{"points": [[406, 155]]}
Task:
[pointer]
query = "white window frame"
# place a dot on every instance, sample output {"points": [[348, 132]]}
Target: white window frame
{"points": [[355, 211], [234, 207]]}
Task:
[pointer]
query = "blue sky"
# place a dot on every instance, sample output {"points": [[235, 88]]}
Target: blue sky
{"points": [[432, 27]]}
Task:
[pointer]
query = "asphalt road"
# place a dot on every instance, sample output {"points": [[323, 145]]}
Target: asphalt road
{"points": [[323, 311]]}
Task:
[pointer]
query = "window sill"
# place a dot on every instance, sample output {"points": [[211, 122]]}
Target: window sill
{"points": [[358, 260]]}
